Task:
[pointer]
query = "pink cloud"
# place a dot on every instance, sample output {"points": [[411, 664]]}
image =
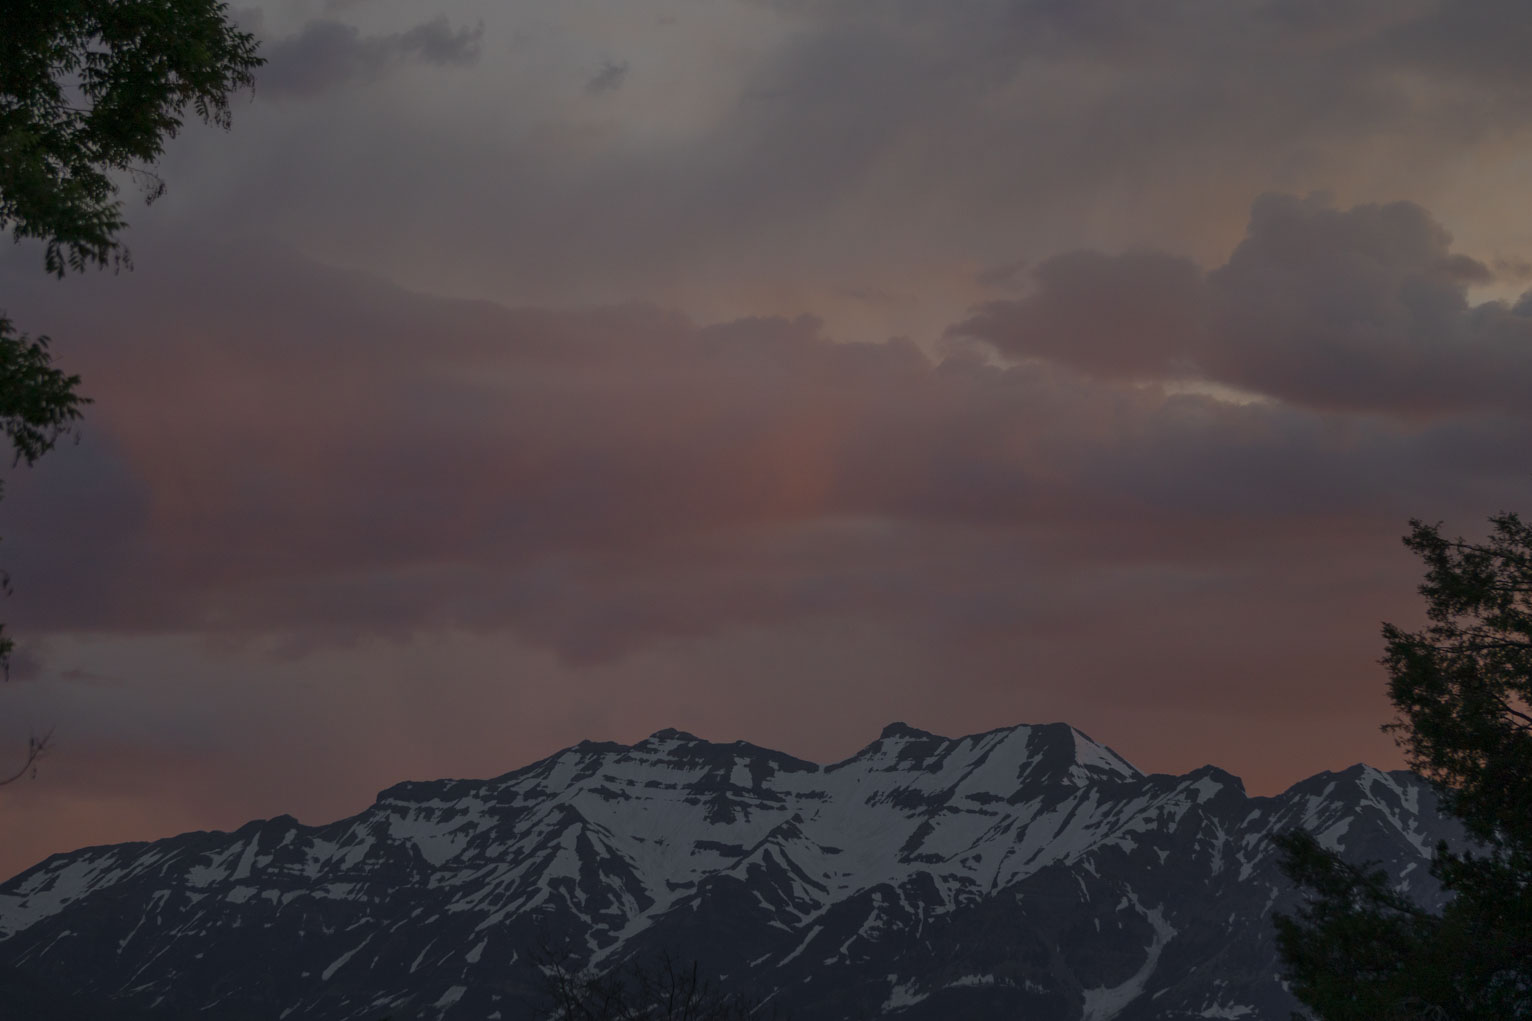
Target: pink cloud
{"points": [[280, 450]]}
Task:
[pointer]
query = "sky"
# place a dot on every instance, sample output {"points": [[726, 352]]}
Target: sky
{"points": [[516, 373]]}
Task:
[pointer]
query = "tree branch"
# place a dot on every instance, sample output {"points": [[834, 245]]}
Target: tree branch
{"points": [[37, 747]]}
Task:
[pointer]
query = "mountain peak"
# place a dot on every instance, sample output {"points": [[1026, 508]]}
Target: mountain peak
{"points": [[898, 729], [672, 734]]}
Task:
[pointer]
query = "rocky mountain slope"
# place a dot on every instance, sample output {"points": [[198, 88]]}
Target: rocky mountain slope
{"points": [[1023, 873]]}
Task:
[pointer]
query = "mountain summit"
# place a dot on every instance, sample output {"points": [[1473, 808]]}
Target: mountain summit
{"points": [[1024, 872]]}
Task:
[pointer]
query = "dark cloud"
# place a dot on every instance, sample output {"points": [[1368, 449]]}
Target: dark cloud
{"points": [[1512, 269], [328, 54], [1362, 309], [852, 135], [283, 450], [1476, 40], [1082, 297], [608, 78]]}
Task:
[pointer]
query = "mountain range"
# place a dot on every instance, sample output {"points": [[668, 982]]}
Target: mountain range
{"points": [[1027, 872]]}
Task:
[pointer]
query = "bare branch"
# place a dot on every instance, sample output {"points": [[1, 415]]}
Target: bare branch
{"points": [[37, 747]]}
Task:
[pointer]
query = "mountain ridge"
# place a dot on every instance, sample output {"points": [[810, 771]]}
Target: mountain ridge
{"points": [[843, 888]]}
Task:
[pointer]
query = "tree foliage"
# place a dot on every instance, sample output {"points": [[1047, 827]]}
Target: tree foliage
{"points": [[38, 405], [89, 88], [1461, 688]]}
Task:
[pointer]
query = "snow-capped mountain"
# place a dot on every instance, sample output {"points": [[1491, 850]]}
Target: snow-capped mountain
{"points": [[1023, 873]]}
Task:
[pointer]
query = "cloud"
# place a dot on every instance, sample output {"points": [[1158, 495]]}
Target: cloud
{"points": [[775, 156], [1008, 276], [445, 528], [608, 79], [328, 54], [317, 457], [1512, 269], [1362, 309], [401, 535], [1153, 300]]}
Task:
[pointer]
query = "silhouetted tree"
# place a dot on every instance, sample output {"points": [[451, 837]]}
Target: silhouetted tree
{"points": [[89, 88], [1463, 691]]}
